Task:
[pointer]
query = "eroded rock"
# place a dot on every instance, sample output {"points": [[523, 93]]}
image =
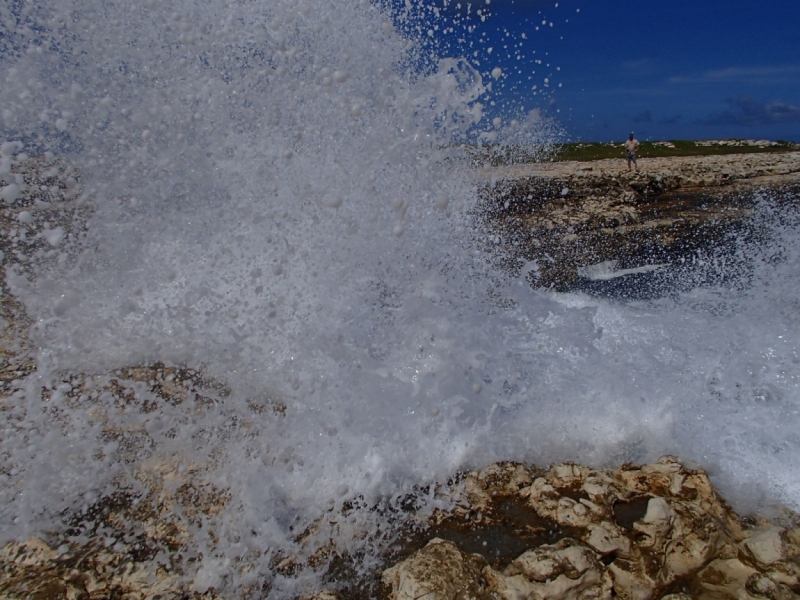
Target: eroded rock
{"points": [[35, 570], [440, 571], [674, 207], [767, 547], [637, 532], [564, 570]]}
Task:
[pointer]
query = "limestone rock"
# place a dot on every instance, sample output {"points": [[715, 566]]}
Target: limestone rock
{"points": [[29, 553], [440, 571], [725, 577], [637, 532], [565, 570], [671, 529], [672, 208], [33, 569], [767, 547], [762, 586], [608, 539]]}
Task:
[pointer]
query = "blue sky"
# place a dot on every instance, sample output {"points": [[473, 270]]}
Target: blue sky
{"points": [[665, 69]]}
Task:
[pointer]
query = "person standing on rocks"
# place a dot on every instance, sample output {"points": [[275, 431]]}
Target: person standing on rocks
{"points": [[631, 148]]}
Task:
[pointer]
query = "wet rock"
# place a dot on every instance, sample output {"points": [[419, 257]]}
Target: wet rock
{"points": [[29, 553], [33, 569], [767, 547], [674, 207], [637, 532], [608, 540], [440, 571], [726, 577], [564, 570], [761, 586]]}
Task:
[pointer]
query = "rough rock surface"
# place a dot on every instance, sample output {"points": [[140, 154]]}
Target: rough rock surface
{"points": [[125, 545], [638, 532], [34, 570], [565, 216], [439, 570]]}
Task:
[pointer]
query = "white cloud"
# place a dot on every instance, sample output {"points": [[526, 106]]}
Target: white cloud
{"points": [[763, 74]]}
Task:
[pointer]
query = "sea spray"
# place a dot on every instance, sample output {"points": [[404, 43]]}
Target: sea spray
{"points": [[272, 200], [270, 194]]}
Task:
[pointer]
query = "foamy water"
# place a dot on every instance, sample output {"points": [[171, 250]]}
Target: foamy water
{"points": [[278, 196]]}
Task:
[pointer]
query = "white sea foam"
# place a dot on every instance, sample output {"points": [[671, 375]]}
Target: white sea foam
{"points": [[609, 270], [277, 195]]}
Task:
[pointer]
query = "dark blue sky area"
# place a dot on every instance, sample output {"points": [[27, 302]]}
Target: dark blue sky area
{"points": [[665, 69]]}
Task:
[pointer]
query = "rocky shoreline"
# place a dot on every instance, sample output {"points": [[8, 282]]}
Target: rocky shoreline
{"points": [[512, 531], [567, 216], [650, 531]]}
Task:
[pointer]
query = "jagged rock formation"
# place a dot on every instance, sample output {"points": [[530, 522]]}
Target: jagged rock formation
{"points": [[638, 532], [127, 544], [566, 216]]}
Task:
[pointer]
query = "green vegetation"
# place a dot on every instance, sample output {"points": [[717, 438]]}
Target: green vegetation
{"points": [[497, 155], [596, 151]]}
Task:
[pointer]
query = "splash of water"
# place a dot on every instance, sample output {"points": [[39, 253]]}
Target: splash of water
{"points": [[275, 193]]}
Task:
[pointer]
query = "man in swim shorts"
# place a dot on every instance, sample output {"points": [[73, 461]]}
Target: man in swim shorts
{"points": [[631, 148]]}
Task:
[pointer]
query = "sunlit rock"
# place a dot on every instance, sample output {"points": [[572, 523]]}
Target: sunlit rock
{"points": [[766, 547], [637, 532], [608, 213], [34, 570], [440, 571], [565, 570], [726, 577], [761, 586]]}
